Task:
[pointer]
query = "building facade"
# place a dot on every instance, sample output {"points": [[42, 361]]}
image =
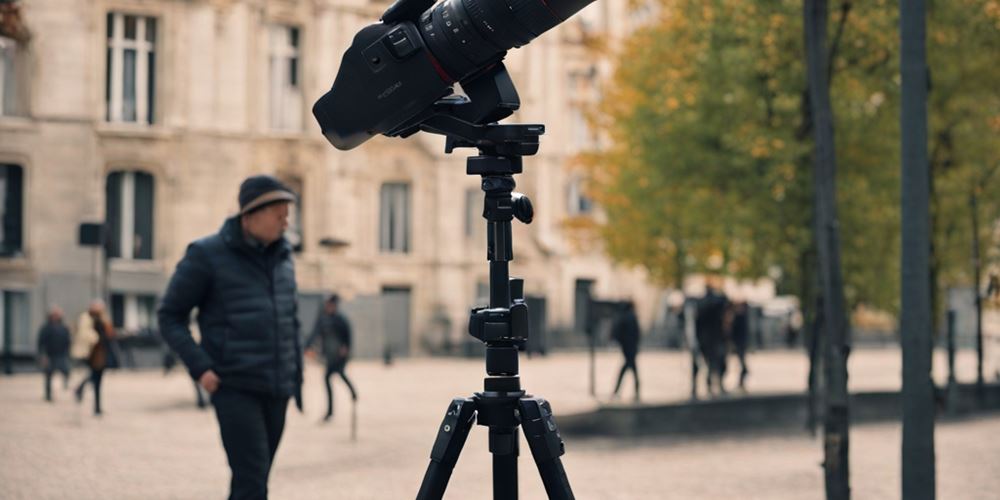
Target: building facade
{"points": [[144, 115]]}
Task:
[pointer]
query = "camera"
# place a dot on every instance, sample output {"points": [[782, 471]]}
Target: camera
{"points": [[396, 70]]}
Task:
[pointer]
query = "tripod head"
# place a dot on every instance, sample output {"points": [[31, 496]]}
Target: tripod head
{"points": [[471, 122]]}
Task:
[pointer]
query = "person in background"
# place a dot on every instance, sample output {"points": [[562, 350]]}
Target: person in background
{"points": [[333, 332], [53, 349], [739, 334], [710, 331], [101, 356], [84, 338], [625, 331]]}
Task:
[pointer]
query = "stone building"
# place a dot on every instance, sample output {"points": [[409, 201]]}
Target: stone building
{"points": [[145, 115]]}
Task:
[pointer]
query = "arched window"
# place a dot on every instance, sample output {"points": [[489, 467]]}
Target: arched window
{"points": [[130, 215]]}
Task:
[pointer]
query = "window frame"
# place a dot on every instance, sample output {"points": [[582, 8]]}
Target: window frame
{"points": [[395, 219], [144, 45], [284, 77], [124, 230], [12, 84], [17, 246]]}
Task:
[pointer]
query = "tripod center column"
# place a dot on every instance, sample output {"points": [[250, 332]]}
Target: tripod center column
{"points": [[499, 212]]}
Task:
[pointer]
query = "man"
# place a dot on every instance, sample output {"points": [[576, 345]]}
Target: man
{"points": [[249, 359], [709, 329], [626, 332], [53, 349], [333, 332]]}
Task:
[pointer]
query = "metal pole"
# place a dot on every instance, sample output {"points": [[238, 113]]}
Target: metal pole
{"points": [[952, 382], [915, 319]]}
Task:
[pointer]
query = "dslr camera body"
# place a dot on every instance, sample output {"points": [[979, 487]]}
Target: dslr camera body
{"points": [[396, 70]]}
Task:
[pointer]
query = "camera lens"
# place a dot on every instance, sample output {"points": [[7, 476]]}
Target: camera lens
{"points": [[467, 35]]}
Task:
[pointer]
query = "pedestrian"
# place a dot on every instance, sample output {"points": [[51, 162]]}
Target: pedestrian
{"points": [[53, 349], [625, 331], [709, 329], [101, 356], [333, 334], [740, 335], [84, 338], [242, 281]]}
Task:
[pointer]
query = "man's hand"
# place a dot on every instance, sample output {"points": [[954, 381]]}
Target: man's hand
{"points": [[343, 351], [210, 381], [310, 354]]}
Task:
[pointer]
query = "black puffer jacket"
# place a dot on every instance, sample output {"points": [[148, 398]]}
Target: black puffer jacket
{"points": [[246, 300]]}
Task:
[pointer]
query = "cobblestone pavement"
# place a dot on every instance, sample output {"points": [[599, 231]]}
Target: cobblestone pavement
{"points": [[152, 443]]}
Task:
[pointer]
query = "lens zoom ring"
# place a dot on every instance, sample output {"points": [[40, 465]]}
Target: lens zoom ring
{"points": [[534, 14], [497, 23]]}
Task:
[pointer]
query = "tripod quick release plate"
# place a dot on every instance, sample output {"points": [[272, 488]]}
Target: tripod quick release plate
{"points": [[500, 324]]}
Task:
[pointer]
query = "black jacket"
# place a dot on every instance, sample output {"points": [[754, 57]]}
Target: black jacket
{"points": [[332, 331], [247, 313], [53, 340]]}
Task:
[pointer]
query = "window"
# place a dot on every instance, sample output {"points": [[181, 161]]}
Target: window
{"points": [[130, 215], [579, 203], [133, 312], [11, 215], [10, 97], [295, 222], [285, 90], [131, 68], [394, 219], [15, 324], [582, 93]]}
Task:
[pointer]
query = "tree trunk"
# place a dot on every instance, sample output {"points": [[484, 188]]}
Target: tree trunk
{"points": [[836, 348], [915, 321]]}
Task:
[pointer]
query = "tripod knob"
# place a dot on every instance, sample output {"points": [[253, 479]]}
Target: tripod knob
{"points": [[522, 208]]}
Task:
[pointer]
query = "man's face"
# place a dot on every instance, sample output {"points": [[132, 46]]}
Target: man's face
{"points": [[269, 223]]}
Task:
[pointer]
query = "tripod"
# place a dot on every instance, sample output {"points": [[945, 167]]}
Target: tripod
{"points": [[503, 405]]}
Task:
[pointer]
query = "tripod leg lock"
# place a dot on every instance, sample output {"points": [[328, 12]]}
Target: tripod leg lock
{"points": [[540, 429], [453, 431]]}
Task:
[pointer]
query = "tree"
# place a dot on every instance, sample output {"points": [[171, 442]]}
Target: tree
{"points": [[837, 418]]}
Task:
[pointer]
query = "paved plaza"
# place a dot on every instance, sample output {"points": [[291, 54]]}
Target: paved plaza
{"points": [[153, 443]]}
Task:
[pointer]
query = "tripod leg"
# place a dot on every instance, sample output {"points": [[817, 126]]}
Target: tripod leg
{"points": [[504, 445], [447, 447], [546, 447]]}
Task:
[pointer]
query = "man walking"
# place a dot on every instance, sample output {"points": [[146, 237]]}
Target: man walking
{"points": [[53, 349], [626, 332], [333, 332], [709, 328], [249, 359]]}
